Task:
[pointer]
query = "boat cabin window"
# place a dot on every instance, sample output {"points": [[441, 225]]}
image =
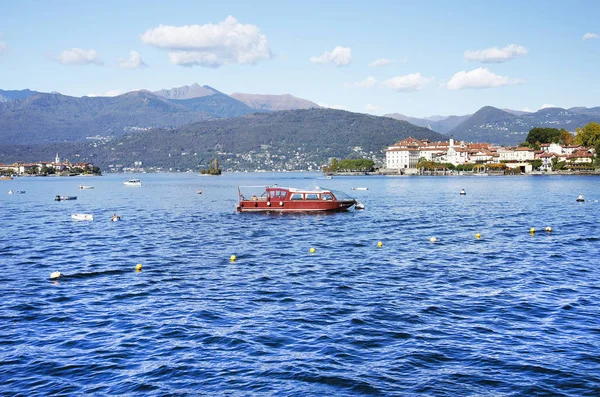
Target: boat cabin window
{"points": [[312, 196], [297, 196], [277, 194], [327, 196]]}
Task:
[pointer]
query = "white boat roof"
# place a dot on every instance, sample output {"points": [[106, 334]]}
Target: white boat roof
{"points": [[317, 189]]}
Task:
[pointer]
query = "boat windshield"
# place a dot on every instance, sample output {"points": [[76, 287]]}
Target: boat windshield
{"points": [[339, 195]]}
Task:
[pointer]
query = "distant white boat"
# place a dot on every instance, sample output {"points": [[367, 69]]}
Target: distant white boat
{"points": [[580, 198], [115, 218], [132, 182], [85, 187], [82, 217], [10, 192], [462, 192], [360, 188]]}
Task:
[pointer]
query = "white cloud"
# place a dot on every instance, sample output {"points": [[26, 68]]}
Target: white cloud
{"points": [[79, 56], [338, 107], [340, 56], [589, 36], [408, 83], [116, 92], [495, 54], [479, 78], [3, 47], [379, 62], [367, 83], [134, 61], [210, 45], [372, 108]]}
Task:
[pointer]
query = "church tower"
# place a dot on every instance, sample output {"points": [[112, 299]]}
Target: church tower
{"points": [[57, 159]]}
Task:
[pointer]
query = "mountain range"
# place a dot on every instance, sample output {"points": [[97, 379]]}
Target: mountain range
{"points": [[278, 140], [49, 120], [504, 126]]}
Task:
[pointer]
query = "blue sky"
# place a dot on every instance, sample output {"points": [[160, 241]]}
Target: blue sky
{"points": [[434, 57]]}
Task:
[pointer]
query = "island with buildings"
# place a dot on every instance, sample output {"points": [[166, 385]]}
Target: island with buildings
{"points": [[44, 168]]}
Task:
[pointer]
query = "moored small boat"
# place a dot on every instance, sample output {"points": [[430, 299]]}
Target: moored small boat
{"points": [[132, 182], [85, 187], [360, 188], [580, 198], [63, 198], [82, 217], [115, 218], [6, 178], [462, 192], [287, 199]]}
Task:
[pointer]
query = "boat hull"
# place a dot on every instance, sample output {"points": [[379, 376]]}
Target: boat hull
{"points": [[294, 206]]}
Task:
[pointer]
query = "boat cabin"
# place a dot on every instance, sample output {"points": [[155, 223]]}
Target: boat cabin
{"points": [[275, 198]]}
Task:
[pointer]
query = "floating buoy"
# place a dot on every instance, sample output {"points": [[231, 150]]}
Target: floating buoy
{"points": [[312, 250], [55, 274], [532, 230], [232, 258], [548, 229], [138, 267], [432, 239], [477, 236], [379, 244]]}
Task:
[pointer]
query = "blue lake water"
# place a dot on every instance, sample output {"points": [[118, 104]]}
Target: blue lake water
{"points": [[510, 314]]}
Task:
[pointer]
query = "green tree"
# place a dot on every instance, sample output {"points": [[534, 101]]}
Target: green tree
{"points": [[34, 170], [334, 166], [540, 135]]}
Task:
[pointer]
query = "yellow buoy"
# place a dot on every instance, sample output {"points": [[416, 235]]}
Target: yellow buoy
{"points": [[232, 258], [312, 250], [548, 229], [477, 235], [55, 274], [380, 244], [532, 230], [433, 239], [138, 267]]}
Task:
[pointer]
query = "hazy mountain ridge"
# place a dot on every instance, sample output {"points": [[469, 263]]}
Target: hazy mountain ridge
{"points": [[274, 102], [12, 95], [186, 92], [441, 124], [42, 117], [490, 124]]}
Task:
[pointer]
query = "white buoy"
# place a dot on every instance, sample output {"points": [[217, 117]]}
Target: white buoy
{"points": [[55, 274], [433, 239]]}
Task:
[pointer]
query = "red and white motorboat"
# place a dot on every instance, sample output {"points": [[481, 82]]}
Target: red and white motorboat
{"points": [[288, 199]]}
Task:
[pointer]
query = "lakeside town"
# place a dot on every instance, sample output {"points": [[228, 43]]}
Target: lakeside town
{"points": [[57, 167], [546, 150]]}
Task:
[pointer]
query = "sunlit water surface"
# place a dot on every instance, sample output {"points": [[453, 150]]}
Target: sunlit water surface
{"points": [[509, 314]]}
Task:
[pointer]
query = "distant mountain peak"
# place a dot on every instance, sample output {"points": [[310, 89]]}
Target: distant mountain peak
{"points": [[186, 92]]}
